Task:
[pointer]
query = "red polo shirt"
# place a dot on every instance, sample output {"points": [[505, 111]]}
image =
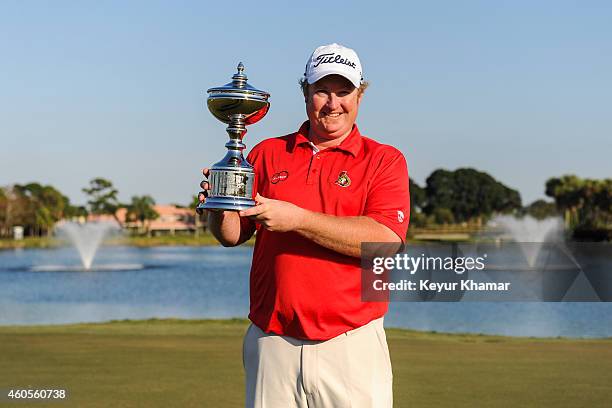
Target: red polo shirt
{"points": [[297, 287]]}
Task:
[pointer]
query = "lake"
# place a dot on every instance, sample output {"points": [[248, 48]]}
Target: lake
{"points": [[212, 282]]}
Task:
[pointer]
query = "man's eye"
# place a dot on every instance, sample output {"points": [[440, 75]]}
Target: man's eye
{"points": [[342, 94]]}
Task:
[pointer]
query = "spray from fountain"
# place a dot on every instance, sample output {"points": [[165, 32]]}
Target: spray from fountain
{"points": [[529, 229], [87, 237], [530, 233]]}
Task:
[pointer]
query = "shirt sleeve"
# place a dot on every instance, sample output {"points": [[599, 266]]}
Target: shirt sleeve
{"points": [[388, 199]]}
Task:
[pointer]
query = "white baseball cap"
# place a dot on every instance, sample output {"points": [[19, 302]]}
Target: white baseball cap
{"points": [[334, 59]]}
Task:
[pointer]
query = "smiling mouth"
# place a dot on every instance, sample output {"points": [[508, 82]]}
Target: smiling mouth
{"points": [[333, 115]]}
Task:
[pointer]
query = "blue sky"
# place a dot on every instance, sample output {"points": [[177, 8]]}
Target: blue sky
{"points": [[115, 89]]}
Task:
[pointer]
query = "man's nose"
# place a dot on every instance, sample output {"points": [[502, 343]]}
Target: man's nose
{"points": [[333, 102]]}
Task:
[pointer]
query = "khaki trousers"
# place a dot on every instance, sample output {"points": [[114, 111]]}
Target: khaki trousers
{"points": [[350, 370]]}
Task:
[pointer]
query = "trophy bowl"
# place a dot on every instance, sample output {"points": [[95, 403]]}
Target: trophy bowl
{"points": [[237, 104], [223, 105]]}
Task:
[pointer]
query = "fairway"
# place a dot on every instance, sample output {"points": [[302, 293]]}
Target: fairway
{"points": [[197, 363]]}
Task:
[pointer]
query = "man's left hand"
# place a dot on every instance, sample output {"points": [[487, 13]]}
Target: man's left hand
{"points": [[275, 215]]}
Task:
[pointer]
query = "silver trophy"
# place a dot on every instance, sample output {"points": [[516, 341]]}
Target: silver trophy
{"points": [[231, 180]]}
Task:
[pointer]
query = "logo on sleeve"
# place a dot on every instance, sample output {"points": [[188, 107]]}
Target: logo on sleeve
{"points": [[343, 179], [400, 216], [280, 176]]}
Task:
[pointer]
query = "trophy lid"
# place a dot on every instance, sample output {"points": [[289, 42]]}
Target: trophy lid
{"points": [[238, 97], [238, 88]]}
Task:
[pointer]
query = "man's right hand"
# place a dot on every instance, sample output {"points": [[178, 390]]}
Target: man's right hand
{"points": [[205, 185]]}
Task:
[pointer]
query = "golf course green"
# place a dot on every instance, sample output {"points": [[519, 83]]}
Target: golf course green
{"points": [[197, 363]]}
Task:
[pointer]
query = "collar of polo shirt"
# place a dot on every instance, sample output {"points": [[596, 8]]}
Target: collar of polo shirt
{"points": [[351, 144]]}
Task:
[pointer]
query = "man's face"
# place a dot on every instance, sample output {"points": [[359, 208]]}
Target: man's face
{"points": [[331, 105]]}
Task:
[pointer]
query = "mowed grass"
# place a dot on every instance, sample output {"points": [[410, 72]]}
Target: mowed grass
{"points": [[197, 363]]}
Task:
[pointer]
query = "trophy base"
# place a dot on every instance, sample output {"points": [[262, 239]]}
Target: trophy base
{"points": [[227, 203]]}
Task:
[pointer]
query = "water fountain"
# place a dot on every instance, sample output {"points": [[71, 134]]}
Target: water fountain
{"points": [[530, 233], [87, 238], [533, 253]]}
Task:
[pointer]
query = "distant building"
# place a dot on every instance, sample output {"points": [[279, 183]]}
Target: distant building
{"points": [[18, 233], [119, 218], [171, 220]]}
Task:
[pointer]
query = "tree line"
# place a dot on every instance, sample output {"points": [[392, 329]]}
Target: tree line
{"points": [[586, 205], [468, 195], [465, 195], [37, 208]]}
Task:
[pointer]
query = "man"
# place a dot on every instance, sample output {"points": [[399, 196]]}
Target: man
{"points": [[321, 192]]}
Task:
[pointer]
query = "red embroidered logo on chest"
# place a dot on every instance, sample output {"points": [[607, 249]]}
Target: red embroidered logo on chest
{"points": [[280, 176], [343, 179]]}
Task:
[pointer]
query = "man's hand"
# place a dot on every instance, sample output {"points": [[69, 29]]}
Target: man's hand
{"points": [[275, 215], [340, 234], [226, 226], [205, 185]]}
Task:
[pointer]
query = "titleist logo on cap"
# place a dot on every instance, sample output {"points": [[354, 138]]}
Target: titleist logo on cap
{"points": [[333, 58]]}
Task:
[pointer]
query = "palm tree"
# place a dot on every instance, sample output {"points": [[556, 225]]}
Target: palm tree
{"points": [[102, 197]]}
